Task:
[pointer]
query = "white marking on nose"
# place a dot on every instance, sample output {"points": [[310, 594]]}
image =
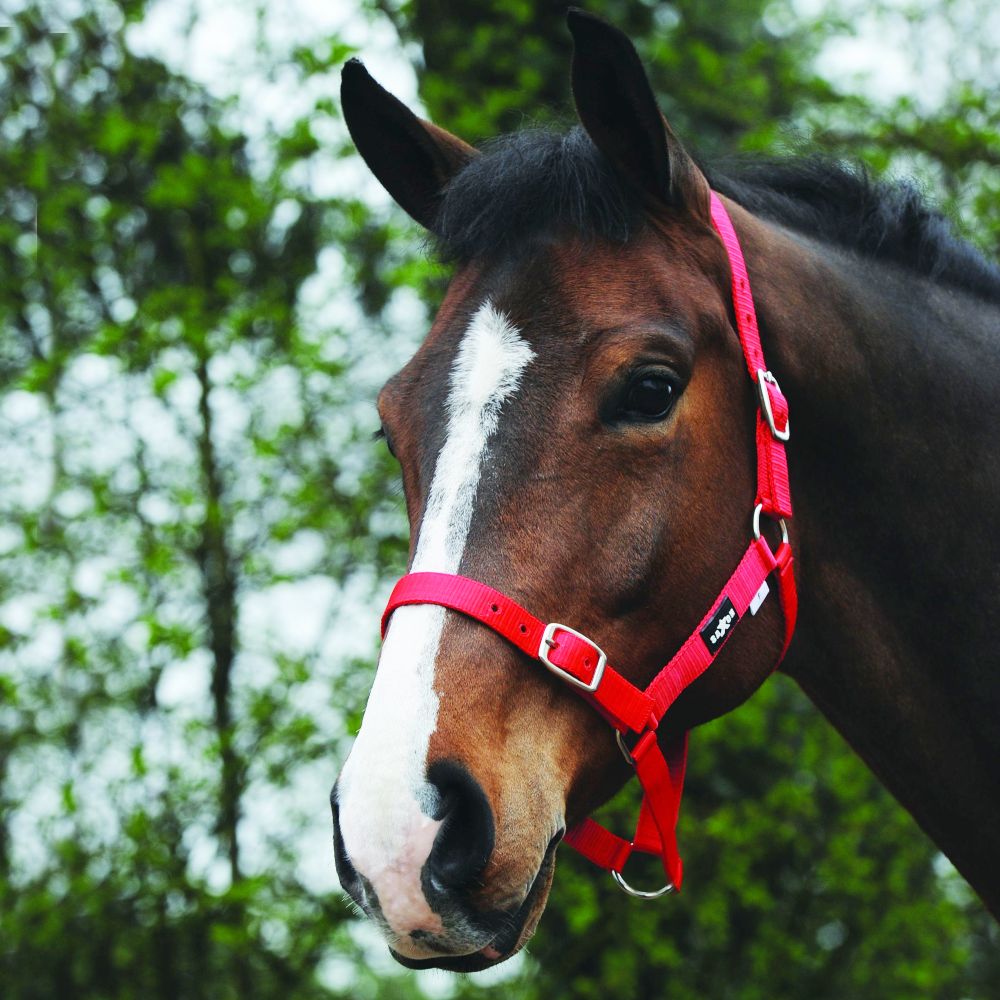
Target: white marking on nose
{"points": [[385, 801]]}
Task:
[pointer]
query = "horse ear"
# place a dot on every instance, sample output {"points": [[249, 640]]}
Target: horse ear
{"points": [[617, 108], [412, 158]]}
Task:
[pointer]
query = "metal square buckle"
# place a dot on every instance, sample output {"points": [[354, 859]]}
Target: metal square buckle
{"points": [[763, 377], [548, 642]]}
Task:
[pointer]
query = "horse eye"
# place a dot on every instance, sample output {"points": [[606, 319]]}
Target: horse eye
{"points": [[649, 396]]}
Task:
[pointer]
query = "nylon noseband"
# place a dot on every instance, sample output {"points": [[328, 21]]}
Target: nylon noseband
{"points": [[580, 662]]}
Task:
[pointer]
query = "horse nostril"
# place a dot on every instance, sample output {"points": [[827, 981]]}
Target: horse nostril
{"points": [[464, 843], [350, 881]]}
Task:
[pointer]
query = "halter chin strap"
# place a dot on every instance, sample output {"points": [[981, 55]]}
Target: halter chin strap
{"points": [[581, 663]]}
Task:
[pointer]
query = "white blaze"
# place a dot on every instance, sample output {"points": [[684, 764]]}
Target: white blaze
{"points": [[382, 788]]}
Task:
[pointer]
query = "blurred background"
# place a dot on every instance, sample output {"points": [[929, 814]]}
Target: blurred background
{"points": [[201, 290]]}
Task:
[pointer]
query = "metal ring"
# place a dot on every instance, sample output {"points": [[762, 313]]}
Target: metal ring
{"points": [[638, 893], [756, 524], [624, 749]]}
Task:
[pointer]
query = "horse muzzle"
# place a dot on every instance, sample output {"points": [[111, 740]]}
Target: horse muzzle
{"points": [[422, 879]]}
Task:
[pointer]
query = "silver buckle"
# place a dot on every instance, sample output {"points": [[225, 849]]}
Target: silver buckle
{"points": [[763, 377], [548, 642]]}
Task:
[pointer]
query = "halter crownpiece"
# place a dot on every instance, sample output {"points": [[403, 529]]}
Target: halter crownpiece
{"points": [[581, 663]]}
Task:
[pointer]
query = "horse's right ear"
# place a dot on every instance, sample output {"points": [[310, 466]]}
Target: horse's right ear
{"points": [[412, 158]]}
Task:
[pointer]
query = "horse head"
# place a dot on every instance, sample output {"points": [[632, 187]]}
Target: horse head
{"points": [[577, 432]]}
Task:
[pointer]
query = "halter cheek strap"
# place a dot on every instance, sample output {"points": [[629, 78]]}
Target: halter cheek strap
{"points": [[582, 664]]}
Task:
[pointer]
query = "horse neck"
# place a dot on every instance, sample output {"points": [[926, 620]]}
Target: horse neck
{"points": [[895, 466]]}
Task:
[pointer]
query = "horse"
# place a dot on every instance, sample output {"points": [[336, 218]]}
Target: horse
{"points": [[579, 441]]}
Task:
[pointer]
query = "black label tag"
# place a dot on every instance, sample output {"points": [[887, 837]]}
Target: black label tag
{"points": [[719, 625]]}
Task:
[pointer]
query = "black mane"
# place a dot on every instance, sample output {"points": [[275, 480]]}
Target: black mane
{"points": [[535, 185]]}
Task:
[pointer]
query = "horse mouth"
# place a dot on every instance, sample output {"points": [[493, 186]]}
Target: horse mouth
{"points": [[519, 926]]}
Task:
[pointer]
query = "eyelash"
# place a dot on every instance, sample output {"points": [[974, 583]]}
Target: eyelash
{"points": [[380, 435]]}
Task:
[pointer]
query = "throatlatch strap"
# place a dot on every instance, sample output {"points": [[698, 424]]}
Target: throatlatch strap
{"points": [[578, 661], [773, 489]]}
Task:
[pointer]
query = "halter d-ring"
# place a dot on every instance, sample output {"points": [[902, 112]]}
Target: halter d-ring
{"points": [[756, 524], [626, 753], [638, 893]]}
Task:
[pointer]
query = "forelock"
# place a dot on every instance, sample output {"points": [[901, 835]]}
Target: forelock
{"points": [[534, 186]]}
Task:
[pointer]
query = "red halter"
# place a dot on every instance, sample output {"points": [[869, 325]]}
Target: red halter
{"points": [[580, 662]]}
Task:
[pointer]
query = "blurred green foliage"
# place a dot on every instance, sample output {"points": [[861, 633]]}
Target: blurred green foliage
{"points": [[186, 442]]}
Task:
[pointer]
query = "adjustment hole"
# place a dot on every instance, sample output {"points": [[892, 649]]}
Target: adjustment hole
{"points": [[494, 608], [586, 662], [523, 628]]}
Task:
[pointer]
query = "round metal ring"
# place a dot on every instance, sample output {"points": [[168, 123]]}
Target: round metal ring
{"points": [[624, 749], [638, 893], [756, 524]]}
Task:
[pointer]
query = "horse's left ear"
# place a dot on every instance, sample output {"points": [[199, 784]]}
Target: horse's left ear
{"points": [[617, 108], [414, 159]]}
